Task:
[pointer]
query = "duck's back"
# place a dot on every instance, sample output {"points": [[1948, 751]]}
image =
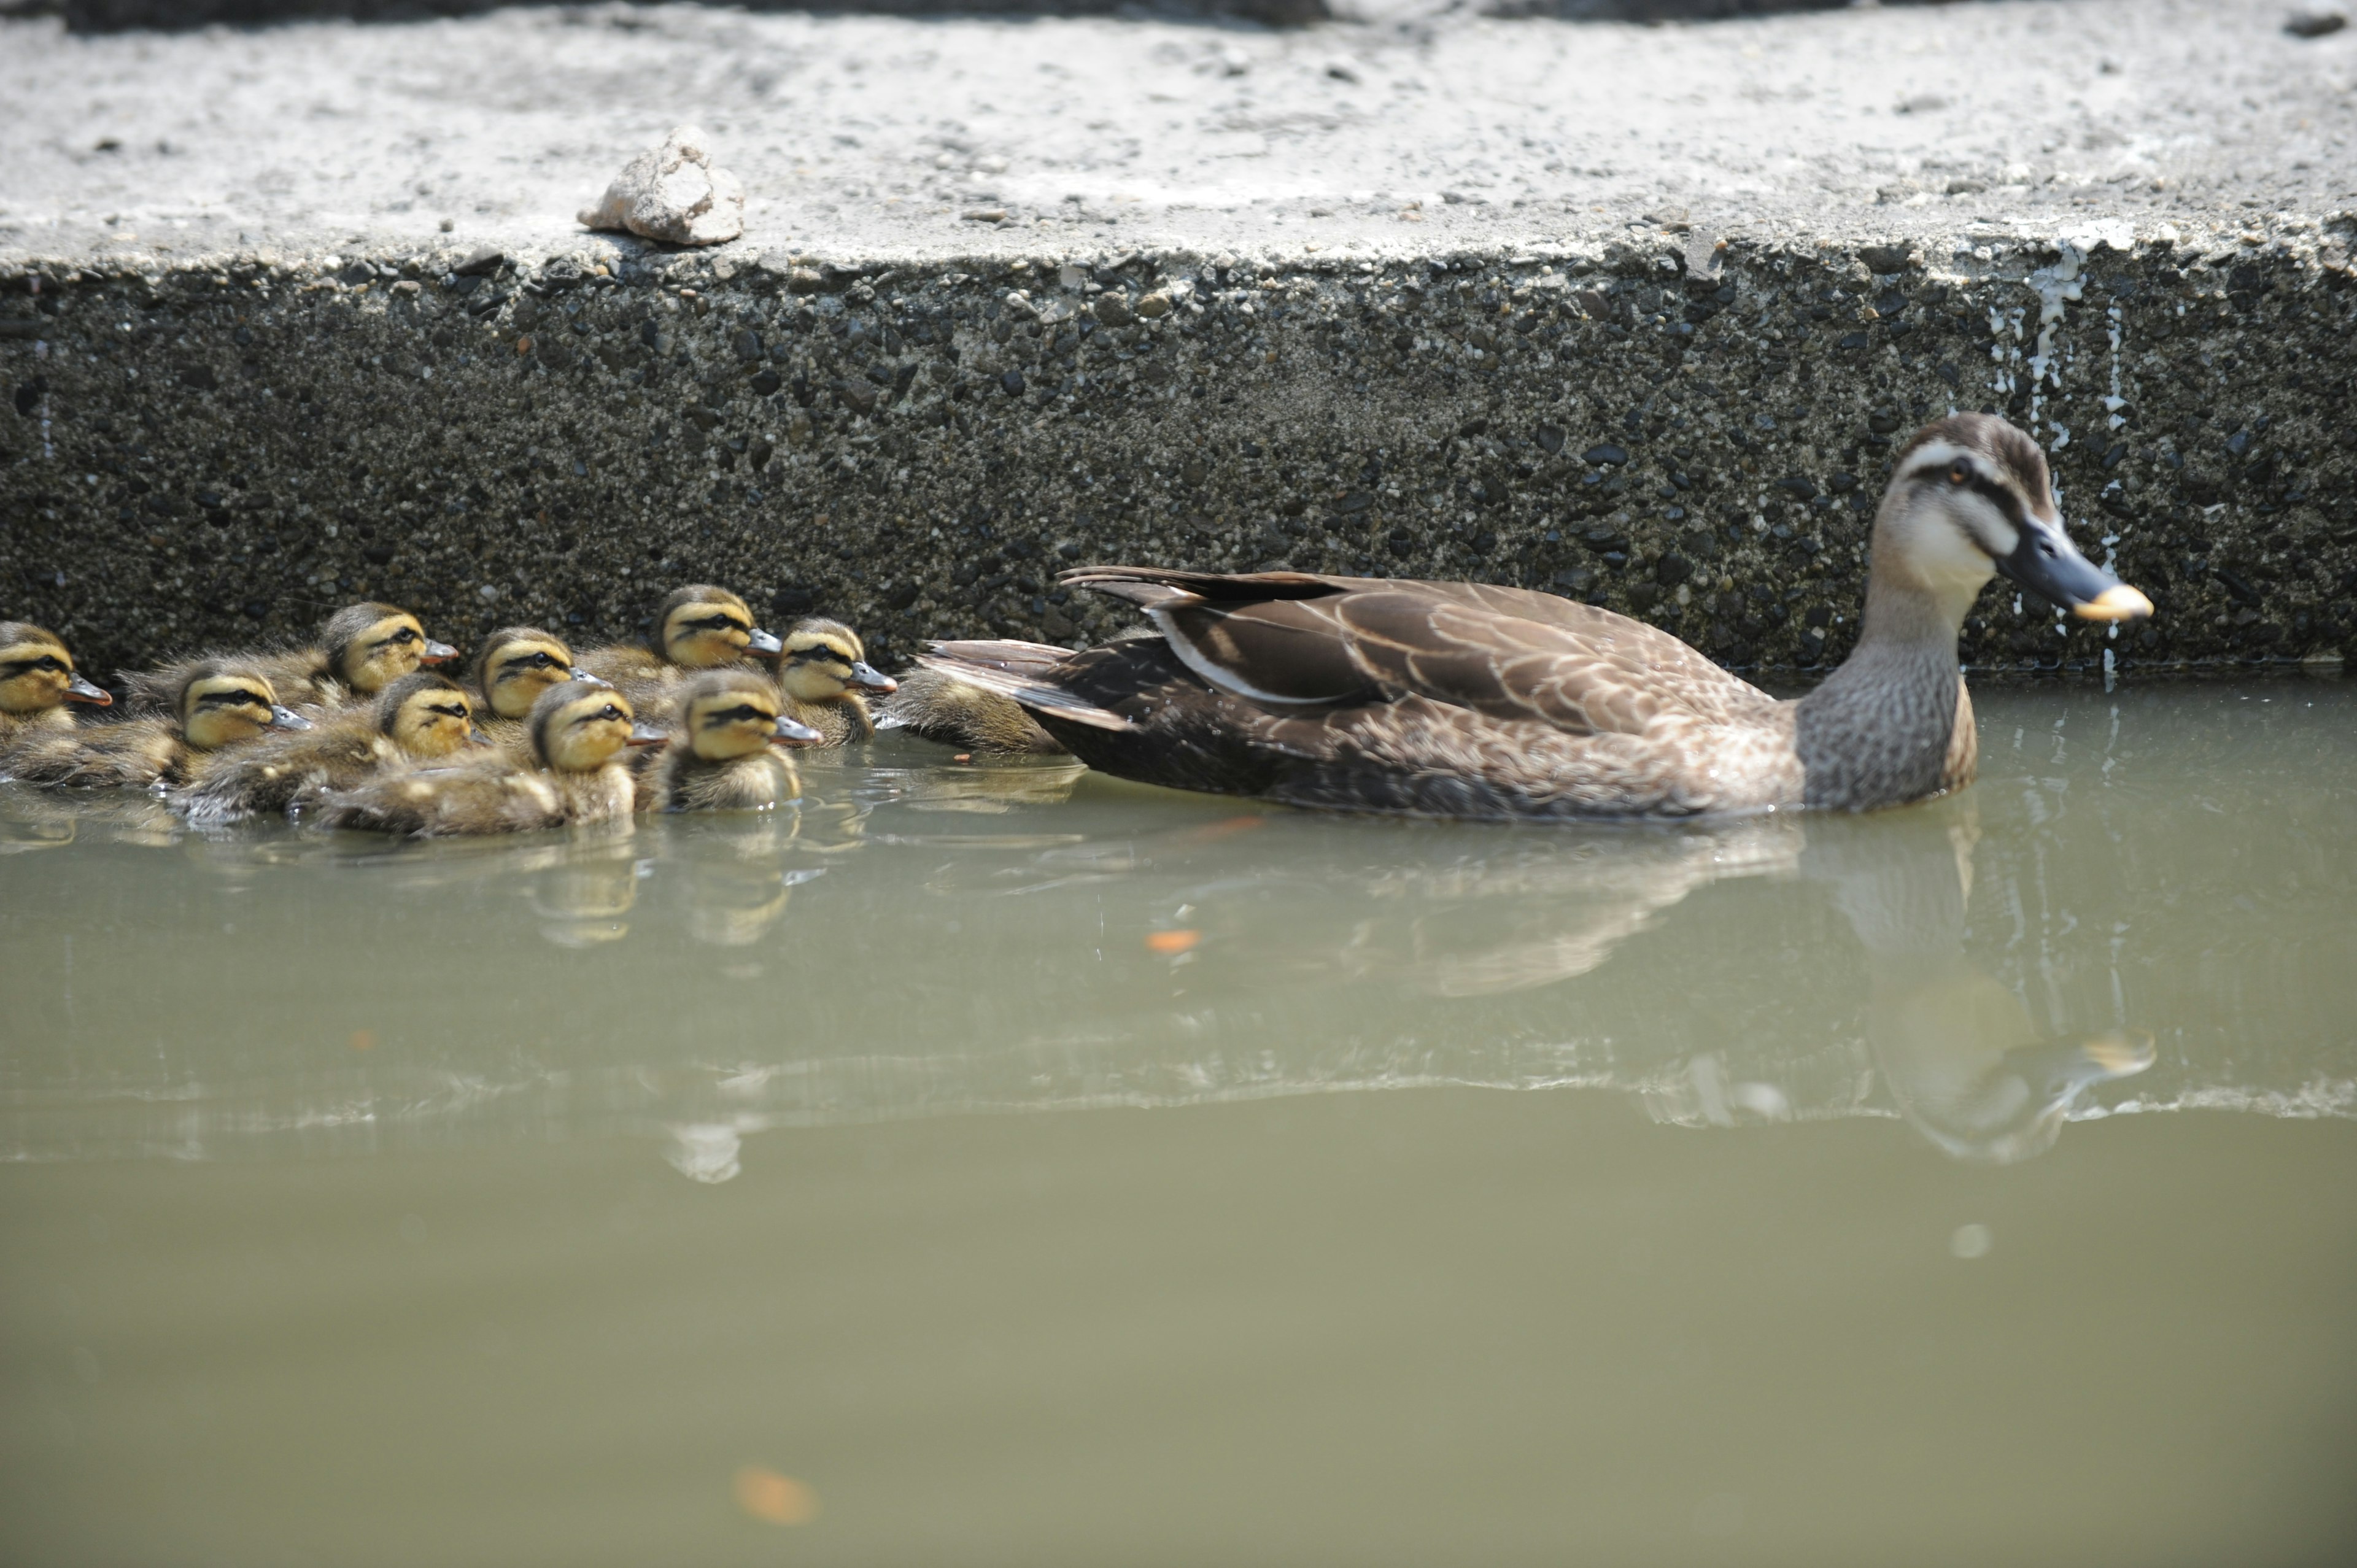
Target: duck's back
{"points": [[132, 753], [279, 772]]}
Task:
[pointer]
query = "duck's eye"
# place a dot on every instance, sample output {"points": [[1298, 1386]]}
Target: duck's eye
{"points": [[610, 711], [447, 710], [1959, 472], [50, 661], [404, 635]]}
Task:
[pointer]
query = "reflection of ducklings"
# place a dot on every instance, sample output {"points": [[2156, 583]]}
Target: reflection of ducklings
{"points": [[420, 717], [699, 627], [362, 648], [725, 757], [823, 672], [218, 705], [943, 708], [512, 667], [37, 681], [577, 731]]}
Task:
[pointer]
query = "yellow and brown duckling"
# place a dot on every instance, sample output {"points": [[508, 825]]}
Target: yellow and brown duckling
{"points": [[699, 627], [725, 755], [823, 672], [578, 733], [940, 707], [422, 717], [218, 705], [362, 648], [512, 667], [39, 688]]}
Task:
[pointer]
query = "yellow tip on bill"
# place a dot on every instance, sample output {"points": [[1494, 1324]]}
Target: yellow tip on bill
{"points": [[2118, 602]]}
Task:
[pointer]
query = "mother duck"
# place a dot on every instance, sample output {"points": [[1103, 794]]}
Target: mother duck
{"points": [[1460, 700]]}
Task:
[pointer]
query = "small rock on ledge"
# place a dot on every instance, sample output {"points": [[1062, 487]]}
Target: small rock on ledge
{"points": [[674, 193]]}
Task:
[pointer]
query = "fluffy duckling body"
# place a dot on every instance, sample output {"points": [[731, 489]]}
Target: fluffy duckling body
{"points": [[577, 733], [422, 717], [940, 707], [724, 755], [362, 648], [699, 627], [512, 667], [219, 706], [39, 688], [824, 674]]}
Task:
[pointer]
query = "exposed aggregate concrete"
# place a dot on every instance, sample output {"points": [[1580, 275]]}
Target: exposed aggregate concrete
{"points": [[1686, 417]]}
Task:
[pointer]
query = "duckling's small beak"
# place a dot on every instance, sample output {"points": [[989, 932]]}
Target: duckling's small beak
{"points": [[588, 680], [285, 718], [764, 642], [2045, 562], [794, 732], [868, 678], [80, 691], [577, 673], [438, 653], [645, 733], [475, 737]]}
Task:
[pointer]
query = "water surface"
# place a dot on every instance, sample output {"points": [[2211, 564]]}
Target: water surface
{"points": [[1005, 1163]]}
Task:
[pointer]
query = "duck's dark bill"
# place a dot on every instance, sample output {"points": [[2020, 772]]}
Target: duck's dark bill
{"points": [[80, 691], [283, 718], [438, 652], [2047, 563]]}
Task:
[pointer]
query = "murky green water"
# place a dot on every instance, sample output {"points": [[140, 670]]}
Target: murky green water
{"points": [[1009, 1165]]}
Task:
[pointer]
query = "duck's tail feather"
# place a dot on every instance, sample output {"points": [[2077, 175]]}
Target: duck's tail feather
{"points": [[1020, 672]]}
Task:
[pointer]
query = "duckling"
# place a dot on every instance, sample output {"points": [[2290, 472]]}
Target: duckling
{"points": [[822, 671], [512, 667], [578, 732], [37, 681], [699, 627], [940, 707], [422, 716], [1467, 700], [725, 758], [219, 706], [362, 648]]}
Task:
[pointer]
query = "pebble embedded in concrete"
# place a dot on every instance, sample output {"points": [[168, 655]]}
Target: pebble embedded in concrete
{"points": [[672, 192]]}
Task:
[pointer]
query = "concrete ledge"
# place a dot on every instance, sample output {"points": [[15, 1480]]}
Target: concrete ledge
{"points": [[1684, 417]]}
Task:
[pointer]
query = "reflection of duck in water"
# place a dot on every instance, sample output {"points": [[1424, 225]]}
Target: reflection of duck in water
{"points": [[1956, 1048]]}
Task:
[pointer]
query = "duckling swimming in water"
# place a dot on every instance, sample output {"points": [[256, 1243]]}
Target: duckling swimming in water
{"points": [[822, 671], [362, 648], [699, 627], [38, 683], [940, 707], [219, 706], [421, 717], [578, 732], [512, 667], [724, 755]]}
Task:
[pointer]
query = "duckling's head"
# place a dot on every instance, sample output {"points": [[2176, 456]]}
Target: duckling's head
{"points": [[580, 726], [425, 715], [824, 660], [36, 673], [1970, 497], [371, 646], [734, 713], [222, 704], [516, 665], [701, 627]]}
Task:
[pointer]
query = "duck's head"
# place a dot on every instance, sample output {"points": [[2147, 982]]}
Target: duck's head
{"points": [[824, 661], [222, 704], [516, 665], [425, 715], [701, 627], [579, 726], [371, 646], [36, 673], [734, 713], [1970, 498]]}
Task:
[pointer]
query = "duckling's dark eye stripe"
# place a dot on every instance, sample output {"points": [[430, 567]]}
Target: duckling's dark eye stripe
{"points": [[230, 699], [16, 667], [717, 623], [737, 714], [450, 710]]}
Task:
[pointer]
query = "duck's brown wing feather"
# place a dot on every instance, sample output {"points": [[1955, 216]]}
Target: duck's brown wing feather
{"points": [[1294, 638]]}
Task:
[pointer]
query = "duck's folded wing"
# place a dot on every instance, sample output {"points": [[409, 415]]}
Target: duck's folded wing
{"points": [[1293, 639]]}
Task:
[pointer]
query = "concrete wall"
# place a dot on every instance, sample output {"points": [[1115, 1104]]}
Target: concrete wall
{"points": [[1688, 430]]}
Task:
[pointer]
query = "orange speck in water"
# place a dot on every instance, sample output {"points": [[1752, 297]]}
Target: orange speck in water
{"points": [[1227, 827], [363, 1040], [775, 1498], [1171, 941], [963, 756]]}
